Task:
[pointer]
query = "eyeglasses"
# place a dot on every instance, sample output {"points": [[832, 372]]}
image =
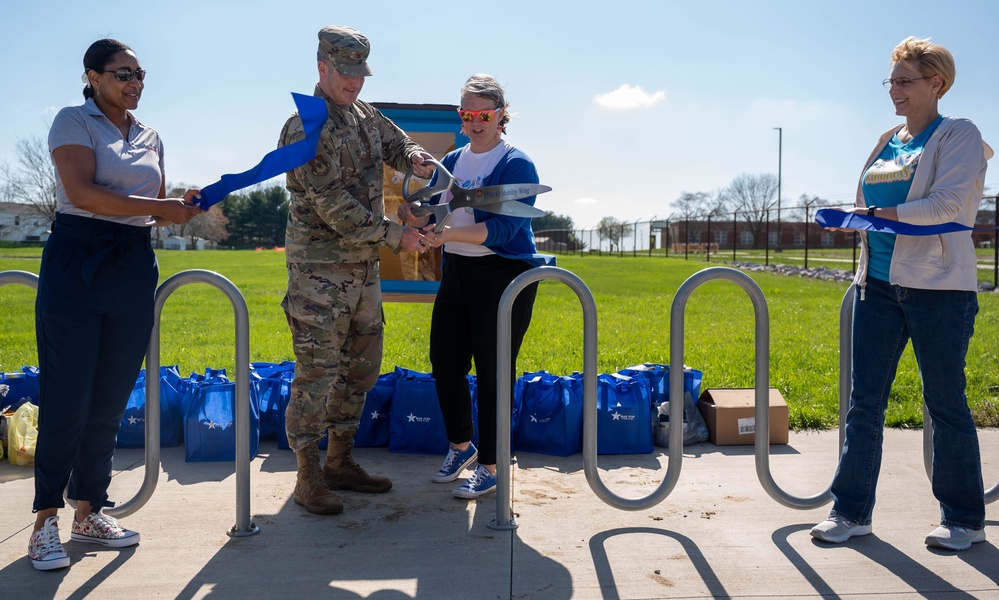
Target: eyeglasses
{"points": [[901, 82], [484, 115], [126, 73]]}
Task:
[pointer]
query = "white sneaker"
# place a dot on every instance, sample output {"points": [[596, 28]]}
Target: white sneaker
{"points": [[954, 538], [99, 528], [44, 548], [837, 529]]}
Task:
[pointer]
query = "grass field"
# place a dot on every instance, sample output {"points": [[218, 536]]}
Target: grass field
{"points": [[831, 258], [633, 299]]}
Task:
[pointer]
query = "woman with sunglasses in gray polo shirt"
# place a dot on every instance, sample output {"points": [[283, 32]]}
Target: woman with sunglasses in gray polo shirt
{"points": [[94, 308]]}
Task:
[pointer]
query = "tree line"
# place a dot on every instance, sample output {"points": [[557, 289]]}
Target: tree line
{"points": [[748, 199], [255, 217]]}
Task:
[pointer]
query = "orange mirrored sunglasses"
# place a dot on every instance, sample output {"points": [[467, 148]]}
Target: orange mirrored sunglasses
{"points": [[484, 115]]}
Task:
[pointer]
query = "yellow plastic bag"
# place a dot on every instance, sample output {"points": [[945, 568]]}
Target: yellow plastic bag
{"points": [[22, 434]]}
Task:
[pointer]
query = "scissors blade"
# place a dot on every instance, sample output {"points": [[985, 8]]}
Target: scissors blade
{"points": [[513, 209], [442, 223], [492, 194]]}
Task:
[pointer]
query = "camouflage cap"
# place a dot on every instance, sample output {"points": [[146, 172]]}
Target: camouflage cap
{"points": [[346, 48]]}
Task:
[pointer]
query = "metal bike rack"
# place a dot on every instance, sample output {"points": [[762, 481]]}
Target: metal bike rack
{"points": [[504, 513], [22, 277], [244, 527], [504, 519], [762, 379]]}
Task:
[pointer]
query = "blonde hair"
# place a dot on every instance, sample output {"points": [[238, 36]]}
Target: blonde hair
{"points": [[928, 58]]}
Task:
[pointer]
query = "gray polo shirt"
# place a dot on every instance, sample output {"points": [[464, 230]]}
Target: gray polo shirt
{"points": [[133, 167]]}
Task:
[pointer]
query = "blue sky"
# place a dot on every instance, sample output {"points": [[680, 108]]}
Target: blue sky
{"points": [[622, 105]]}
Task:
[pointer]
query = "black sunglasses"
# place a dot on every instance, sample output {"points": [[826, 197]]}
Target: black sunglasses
{"points": [[126, 73]]}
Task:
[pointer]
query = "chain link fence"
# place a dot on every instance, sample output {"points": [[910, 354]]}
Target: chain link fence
{"points": [[743, 237]]}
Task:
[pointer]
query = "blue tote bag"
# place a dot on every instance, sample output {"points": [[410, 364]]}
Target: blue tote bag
{"points": [[624, 421], [273, 384], [209, 429], [132, 433], [550, 414], [373, 429], [416, 424], [658, 379], [187, 387], [473, 389], [19, 387]]}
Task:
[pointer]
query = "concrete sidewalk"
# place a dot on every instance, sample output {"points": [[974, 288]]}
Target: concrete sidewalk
{"points": [[717, 535]]}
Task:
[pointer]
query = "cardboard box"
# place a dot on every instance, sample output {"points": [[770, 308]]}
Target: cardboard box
{"points": [[730, 415]]}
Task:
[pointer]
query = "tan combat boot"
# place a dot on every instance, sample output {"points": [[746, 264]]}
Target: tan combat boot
{"points": [[341, 472], [310, 492]]}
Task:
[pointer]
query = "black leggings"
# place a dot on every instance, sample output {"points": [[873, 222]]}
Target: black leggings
{"points": [[463, 329]]}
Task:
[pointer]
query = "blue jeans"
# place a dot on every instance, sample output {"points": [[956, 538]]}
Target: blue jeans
{"points": [[940, 324]]}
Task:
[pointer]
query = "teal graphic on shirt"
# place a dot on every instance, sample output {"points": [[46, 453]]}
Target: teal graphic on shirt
{"points": [[886, 183]]}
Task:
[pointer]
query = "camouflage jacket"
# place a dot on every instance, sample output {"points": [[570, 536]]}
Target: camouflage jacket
{"points": [[337, 211]]}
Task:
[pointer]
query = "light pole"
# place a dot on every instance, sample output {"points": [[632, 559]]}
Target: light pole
{"points": [[780, 145]]}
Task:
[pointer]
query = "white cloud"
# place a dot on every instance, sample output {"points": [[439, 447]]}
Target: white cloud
{"points": [[586, 201], [628, 97]]}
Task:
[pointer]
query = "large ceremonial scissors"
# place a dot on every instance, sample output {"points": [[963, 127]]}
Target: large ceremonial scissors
{"points": [[491, 198]]}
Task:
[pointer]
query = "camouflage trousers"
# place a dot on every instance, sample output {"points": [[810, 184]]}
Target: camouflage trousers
{"points": [[335, 315]]}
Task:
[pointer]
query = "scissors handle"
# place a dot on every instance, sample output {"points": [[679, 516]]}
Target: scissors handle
{"points": [[441, 212], [444, 181]]}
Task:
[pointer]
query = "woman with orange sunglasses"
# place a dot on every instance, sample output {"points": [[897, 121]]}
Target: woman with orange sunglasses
{"points": [[482, 253]]}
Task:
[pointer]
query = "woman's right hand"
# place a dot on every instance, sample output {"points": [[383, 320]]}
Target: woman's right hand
{"points": [[191, 195], [178, 210]]}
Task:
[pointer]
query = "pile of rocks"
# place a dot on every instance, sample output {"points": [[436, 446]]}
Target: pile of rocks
{"points": [[823, 273]]}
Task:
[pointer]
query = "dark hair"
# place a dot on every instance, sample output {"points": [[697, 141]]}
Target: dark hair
{"points": [[98, 55]]}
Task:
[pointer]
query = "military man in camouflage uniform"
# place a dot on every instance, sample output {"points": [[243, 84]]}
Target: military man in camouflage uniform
{"points": [[335, 225]]}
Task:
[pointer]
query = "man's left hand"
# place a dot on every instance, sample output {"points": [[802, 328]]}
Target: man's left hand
{"points": [[421, 167]]}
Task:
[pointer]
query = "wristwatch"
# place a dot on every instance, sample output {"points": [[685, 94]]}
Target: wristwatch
{"points": [[870, 210]]}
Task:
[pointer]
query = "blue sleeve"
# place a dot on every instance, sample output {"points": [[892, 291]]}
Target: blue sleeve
{"points": [[502, 228]]}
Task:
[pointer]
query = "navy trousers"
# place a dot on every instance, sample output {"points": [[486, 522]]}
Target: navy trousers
{"points": [[93, 317]]}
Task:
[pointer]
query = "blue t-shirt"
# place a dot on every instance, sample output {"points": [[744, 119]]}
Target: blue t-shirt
{"points": [[886, 183]]}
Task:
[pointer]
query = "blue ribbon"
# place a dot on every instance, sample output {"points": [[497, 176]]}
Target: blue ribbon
{"points": [[313, 112], [830, 217]]}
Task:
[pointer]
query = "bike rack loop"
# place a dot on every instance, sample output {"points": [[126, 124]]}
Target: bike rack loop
{"points": [[23, 277], [244, 527], [762, 350], [504, 514]]}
